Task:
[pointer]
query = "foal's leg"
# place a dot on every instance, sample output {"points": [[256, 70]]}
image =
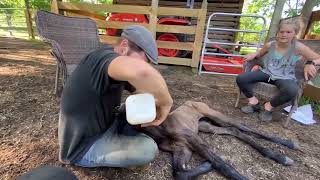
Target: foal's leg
{"points": [[193, 173], [278, 157], [285, 142], [181, 156], [224, 121], [201, 147]]}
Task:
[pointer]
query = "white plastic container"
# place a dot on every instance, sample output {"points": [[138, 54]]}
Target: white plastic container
{"points": [[140, 108]]}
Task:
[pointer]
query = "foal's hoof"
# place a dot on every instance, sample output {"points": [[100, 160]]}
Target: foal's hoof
{"points": [[292, 144], [295, 145], [186, 167], [288, 161]]}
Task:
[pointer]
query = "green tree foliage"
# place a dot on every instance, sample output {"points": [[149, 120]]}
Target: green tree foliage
{"points": [[256, 7], [76, 1], [11, 4], [35, 4], [315, 28], [261, 7], [295, 7], [92, 1], [266, 8], [40, 4], [105, 1]]}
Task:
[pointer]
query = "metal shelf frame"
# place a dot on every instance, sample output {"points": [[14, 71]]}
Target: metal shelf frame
{"points": [[207, 42]]}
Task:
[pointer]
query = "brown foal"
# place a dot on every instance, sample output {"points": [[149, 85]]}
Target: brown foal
{"points": [[179, 135]]}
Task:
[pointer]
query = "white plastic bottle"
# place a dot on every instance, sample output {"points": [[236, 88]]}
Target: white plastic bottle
{"points": [[140, 108]]}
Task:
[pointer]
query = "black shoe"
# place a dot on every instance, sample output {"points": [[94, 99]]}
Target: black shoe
{"points": [[250, 108], [265, 116]]}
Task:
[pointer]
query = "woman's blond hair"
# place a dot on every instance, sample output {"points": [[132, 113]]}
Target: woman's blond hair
{"points": [[294, 22]]}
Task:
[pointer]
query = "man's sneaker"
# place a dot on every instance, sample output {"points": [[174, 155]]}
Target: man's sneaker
{"points": [[265, 115], [250, 108]]}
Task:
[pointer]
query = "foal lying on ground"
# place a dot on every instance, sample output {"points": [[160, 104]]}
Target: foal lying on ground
{"points": [[179, 135]]}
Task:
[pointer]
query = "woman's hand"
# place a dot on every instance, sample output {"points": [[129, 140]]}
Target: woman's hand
{"points": [[255, 68], [309, 71], [250, 57]]}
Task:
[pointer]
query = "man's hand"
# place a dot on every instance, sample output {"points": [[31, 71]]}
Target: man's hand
{"points": [[162, 113], [309, 71]]}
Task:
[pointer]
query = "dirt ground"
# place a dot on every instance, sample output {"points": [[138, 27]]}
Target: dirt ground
{"points": [[29, 119]]}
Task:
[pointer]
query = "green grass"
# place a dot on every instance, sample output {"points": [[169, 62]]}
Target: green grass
{"points": [[316, 80], [18, 24], [17, 33], [247, 50], [315, 105]]}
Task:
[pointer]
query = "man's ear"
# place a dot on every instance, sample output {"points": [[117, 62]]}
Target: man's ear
{"points": [[124, 47], [124, 43]]}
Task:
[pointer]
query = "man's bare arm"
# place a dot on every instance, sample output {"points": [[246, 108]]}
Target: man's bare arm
{"points": [[144, 78]]}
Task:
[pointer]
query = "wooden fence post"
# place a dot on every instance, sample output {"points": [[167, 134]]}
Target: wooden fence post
{"points": [[153, 18], [54, 6], [201, 21]]}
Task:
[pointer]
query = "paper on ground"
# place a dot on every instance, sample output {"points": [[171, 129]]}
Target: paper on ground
{"points": [[303, 114]]}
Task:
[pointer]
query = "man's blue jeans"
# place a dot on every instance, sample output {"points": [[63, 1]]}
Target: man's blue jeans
{"points": [[120, 148]]}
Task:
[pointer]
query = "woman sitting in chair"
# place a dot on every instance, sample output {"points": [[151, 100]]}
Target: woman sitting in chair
{"points": [[279, 59]]}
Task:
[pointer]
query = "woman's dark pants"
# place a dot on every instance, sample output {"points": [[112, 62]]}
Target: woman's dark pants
{"points": [[288, 88]]}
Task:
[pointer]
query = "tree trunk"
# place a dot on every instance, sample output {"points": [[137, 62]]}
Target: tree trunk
{"points": [[28, 19], [275, 18], [305, 16]]}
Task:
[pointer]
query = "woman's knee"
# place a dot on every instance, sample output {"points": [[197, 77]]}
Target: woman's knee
{"points": [[240, 79], [290, 91]]}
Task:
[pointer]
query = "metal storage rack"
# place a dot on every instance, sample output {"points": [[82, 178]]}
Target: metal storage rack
{"points": [[207, 42]]}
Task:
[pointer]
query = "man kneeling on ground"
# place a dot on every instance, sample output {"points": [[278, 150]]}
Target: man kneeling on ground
{"points": [[91, 131]]}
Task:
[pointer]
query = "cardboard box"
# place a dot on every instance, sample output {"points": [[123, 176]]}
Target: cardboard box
{"points": [[313, 92]]}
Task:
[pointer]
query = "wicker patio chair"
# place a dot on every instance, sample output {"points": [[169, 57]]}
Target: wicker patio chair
{"points": [[269, 91], [71, 38]]}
